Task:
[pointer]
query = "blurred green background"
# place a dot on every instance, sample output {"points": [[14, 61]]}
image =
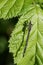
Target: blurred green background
{"points": [[6, 28]]}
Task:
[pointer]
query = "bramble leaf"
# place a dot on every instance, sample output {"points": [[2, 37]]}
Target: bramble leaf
{"points": [[13, 8], [10, 8], [25, 44], [19, 35]]}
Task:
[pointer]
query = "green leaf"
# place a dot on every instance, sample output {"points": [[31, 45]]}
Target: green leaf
{"points": [[13, 8], [18, 37], [26, 6], [39, 1], [32, 53], [10, 8]]}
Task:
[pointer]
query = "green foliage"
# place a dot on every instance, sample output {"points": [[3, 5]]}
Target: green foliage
{"points": [[32, 53], [26, 41], [3, 44], [10, 8]]}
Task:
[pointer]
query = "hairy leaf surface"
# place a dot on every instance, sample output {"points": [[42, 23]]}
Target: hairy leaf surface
{"points": [[28, 51], [13, 8], [10, 8]]}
